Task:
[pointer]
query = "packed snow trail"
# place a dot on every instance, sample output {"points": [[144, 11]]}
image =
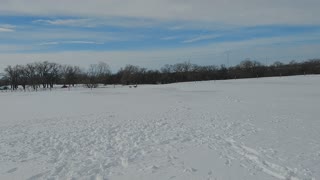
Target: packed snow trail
{"points": [[238, 129]]}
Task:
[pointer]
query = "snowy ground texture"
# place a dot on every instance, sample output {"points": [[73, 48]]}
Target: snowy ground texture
{"points": [[263, 129]]}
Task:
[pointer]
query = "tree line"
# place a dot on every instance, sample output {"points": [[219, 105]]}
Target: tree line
{"points": [[47, 74]]}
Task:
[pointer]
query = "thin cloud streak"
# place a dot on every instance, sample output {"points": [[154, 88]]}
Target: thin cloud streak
{"points": [[208, 54], [200, 38], [70, 42], [7, 28], [169, 38], [67, 22], [94, 22], [234, 12]]}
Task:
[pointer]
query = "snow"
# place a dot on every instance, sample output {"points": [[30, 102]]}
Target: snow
{"points": [[266, 128]]}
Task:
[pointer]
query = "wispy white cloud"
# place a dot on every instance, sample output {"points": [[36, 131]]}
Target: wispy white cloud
{"points": [[48, 43], [7, 28], [177, 21], [68, 22], [82, 42], [243, 12], [200, 38], [177, 27], [169, 38], [98, 21], [62, 34], [275, 48], [69, 42], [15, 48]]}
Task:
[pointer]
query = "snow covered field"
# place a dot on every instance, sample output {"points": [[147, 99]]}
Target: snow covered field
{"points": [[263, 129]]}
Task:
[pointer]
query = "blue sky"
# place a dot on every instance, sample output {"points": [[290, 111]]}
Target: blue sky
{"points": [[153, 33]]}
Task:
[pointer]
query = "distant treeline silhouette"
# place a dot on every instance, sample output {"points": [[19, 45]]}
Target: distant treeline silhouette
{"points": [[47, 74]]}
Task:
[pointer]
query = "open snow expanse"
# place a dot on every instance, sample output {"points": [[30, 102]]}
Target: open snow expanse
{"points": [[266, 128]]}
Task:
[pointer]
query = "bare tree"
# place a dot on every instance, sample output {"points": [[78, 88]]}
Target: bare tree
{"points": [[53, 75], [42, 69], [103, 72], [23, 78], [92, 76], [70, 75], [46, 74], [97, 73], [12, 76], [129, 74], [32, 74]]}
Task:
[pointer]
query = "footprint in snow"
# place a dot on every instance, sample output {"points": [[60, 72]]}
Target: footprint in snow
{"points": [[12, 170], [190, 170]]}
